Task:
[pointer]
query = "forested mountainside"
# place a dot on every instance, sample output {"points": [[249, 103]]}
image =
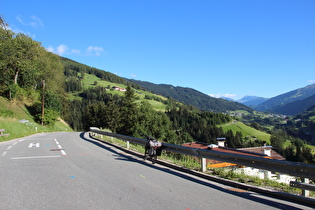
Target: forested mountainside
{"points": [[289, 97], [75, 70], [193, 97], [295, 107]]}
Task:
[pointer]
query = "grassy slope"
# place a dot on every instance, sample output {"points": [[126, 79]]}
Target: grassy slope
{"points": [[247, 131], [89, 80], [11, 114]]}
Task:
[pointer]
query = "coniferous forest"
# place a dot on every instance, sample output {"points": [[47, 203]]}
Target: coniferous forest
{"points": [[32, 76]]}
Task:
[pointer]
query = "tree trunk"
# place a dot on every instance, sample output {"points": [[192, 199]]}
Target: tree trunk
{"points": [[16, 76]]}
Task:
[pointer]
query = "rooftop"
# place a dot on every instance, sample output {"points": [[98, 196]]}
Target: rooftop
{"points": [[253, 151]]}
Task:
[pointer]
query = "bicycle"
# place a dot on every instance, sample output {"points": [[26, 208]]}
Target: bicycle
{"points": [[152, 149]]}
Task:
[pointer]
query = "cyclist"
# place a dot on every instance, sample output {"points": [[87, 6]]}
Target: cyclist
{"points": [[150, 149]]}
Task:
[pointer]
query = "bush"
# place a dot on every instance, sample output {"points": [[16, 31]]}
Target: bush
{"points": [[50, 117]]}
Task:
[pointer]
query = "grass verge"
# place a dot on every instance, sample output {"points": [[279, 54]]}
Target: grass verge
{"points": [[17, 122]]}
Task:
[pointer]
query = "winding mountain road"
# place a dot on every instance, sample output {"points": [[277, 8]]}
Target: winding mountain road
{"points": [[72, 171]]}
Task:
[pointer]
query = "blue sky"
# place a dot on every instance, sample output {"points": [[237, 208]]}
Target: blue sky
{"points": [[219, 47]]}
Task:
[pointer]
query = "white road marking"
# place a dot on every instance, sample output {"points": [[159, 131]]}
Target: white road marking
{"points": [[9, 147], [33, 144], [15, 143], [4, 153], [63, 152], [60, 147], [33, 157]]}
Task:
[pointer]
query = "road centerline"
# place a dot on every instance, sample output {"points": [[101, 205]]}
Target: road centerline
{"points": [[60, 147]]}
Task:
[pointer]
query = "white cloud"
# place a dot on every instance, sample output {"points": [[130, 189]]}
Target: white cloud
{"points": [[133, 75], [219, 95], [94, 51], [35, 22], [311, 81], [19, 18], [61, 49]]}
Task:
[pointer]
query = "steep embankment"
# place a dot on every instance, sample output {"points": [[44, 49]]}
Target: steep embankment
{"points": [[17, 121]]}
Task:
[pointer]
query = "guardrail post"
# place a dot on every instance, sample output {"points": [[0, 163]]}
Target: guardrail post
{"points": [[305, 193], [128, 144], [203, 164], [266, 174]]}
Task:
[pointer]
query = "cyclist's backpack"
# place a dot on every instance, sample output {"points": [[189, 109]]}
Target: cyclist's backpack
{"points": [[155, 143]]}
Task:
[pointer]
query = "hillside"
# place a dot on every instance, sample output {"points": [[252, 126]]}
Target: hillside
{"points": [[247, 131], [295, 107], [188, 96], [17, 121], [75, 69], [192, 97], [289, 97], [92, 81], [305, 124]]}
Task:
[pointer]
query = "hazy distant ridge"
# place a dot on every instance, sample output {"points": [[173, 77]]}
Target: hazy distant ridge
{"points": [[252, 101]]}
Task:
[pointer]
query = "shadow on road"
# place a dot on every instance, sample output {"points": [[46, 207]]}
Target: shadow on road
{"points": [[125, 157]]}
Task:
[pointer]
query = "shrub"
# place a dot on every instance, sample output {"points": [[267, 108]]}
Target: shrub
{"points": [[50, 117]]}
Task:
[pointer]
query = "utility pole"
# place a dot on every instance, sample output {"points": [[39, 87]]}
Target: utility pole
{"points": [[43, 102]]}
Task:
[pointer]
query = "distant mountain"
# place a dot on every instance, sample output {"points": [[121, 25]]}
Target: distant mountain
{"points": [[295, 107], [192, 97], [226, 98], [286, 98], [252, 101]]}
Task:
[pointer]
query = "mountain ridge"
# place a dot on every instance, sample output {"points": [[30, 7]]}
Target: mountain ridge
{"points": [[192, 97], [292, 96], [295, 107], [252, 101]]}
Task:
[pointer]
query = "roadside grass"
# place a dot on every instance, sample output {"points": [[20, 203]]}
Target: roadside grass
{"points": [[247, 131], [17, 122]]}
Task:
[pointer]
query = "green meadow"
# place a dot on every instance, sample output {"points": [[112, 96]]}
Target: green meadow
{"points": [[247, 131]]}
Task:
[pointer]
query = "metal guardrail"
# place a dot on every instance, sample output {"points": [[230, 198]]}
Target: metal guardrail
{"points": [[301, 185], [286, 167], [302, 170]]}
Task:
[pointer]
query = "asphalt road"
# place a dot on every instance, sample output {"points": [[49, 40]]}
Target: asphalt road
{"points": [[72, 171]]}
